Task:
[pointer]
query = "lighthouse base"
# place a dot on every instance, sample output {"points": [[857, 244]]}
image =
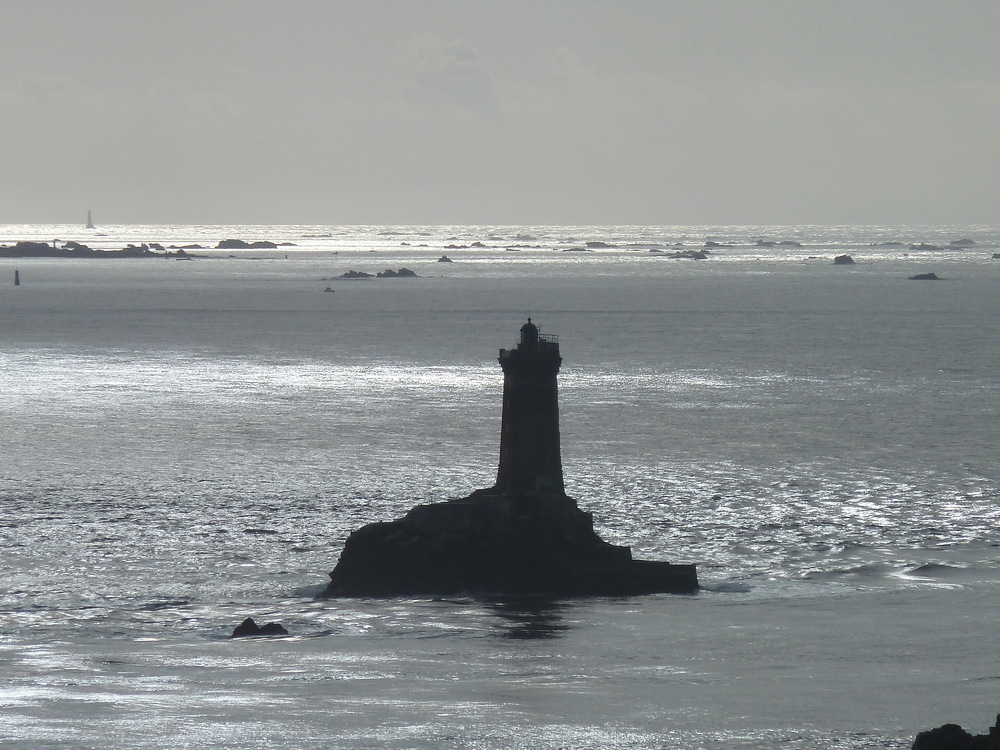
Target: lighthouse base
{"points": [[496, 544]]}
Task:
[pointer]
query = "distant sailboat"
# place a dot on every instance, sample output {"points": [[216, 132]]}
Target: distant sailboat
{"points": [[90, 220]]}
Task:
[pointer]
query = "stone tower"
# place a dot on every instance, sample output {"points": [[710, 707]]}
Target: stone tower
{"points": [[530, 461], [523, 536]]}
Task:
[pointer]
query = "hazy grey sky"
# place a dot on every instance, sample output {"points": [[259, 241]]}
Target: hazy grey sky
{"points": [[507, 112]]}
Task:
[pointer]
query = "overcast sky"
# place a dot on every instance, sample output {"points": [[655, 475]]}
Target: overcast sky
{"points": [[502, 112]]}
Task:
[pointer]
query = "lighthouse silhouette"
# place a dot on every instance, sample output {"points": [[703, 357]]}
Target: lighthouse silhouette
{"points": [[523, 535], [530, 460]]}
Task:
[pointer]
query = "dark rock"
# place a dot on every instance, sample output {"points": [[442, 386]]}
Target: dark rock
{"points": [[689, 254], [597, 244], [953, 737], [790, 243], [477, 244], [945, 737], [931, 276], [33, 250], [844, 260], [355, 275], [249, 628], [764, 243], [964, 242], [444, 259], [492, 542], [73, 250], [996, 256], [925, 246], [402, 273]]}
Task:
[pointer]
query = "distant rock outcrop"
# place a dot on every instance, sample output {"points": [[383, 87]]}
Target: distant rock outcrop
{"points": [[402, 273], [355, 275], [843, 260], [73, 249], [930, 276], [964, 242]]}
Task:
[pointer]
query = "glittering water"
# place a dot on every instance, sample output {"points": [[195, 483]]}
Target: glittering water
{"points": [[188, 443]]}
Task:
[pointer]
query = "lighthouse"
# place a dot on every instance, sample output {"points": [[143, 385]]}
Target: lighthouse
{"points": [[522, 536], [530, 461]]}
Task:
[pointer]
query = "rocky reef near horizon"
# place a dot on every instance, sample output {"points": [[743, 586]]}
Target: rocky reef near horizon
{"points": [[71, 249]]}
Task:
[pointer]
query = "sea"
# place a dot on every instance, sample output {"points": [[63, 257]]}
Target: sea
{"points": [[187, 441]]}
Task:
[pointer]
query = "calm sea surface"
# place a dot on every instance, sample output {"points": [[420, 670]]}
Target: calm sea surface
{"points": [[187, 443]]}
